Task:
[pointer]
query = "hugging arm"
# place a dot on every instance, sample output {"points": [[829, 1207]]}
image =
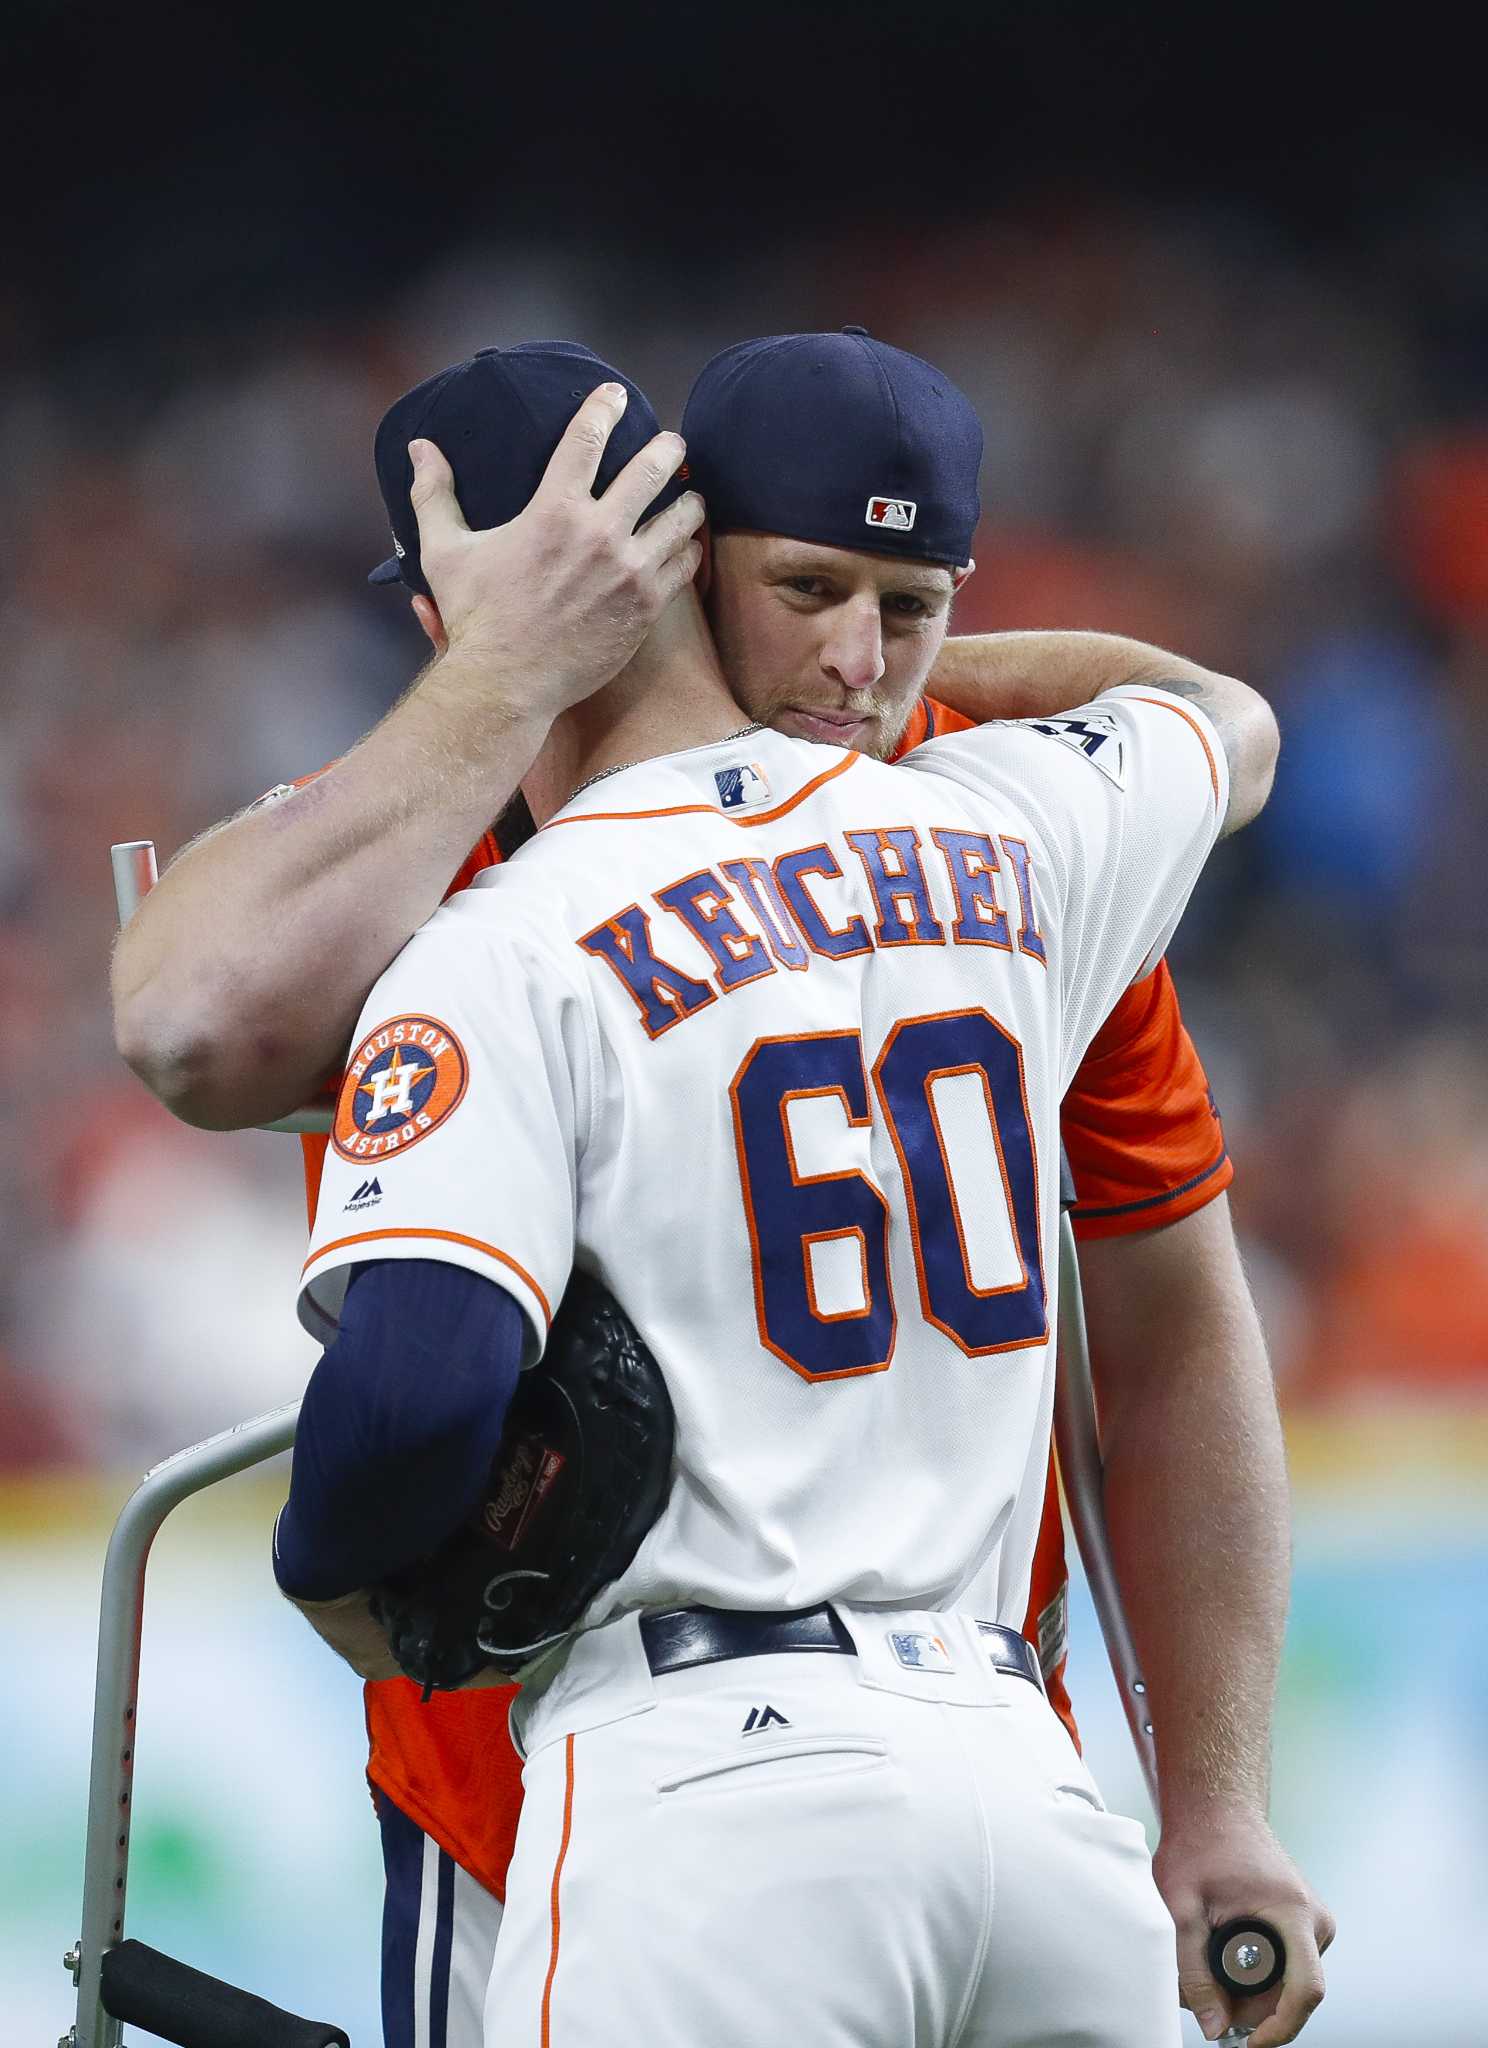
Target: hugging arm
{"points": [[238, 982], [1038, 675]]}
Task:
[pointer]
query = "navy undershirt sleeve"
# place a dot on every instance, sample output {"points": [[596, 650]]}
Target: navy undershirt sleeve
{"points": [[398, 1426]]}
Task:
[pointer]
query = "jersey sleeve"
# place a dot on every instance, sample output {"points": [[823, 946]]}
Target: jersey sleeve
{"points": [[486, 853], [1139, 1121], [460, 1120], [1124, 799], [930, 720]]}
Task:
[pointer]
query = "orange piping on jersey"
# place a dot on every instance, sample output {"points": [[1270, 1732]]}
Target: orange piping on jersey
{"points": [[1031, 944], [913, 934], [836, 1315], [753, 945], [991, 870], [950, 1074], [851, 1372], [982, 1293], [568, 1792], [1172, 704], [475, 1244], [831, 872], [712, 810]]}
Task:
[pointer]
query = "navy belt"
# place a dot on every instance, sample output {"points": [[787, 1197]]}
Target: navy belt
{"points": [[685, 1636]]}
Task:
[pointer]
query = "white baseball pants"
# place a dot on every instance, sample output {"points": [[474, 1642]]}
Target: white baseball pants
{"points": [[822, 1850]]}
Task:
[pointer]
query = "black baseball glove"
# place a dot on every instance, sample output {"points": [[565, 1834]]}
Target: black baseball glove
{"points": [[582, 1473]]}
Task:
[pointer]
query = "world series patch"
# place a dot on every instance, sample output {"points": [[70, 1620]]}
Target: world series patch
{"points": [[405, 1079], [1096, 735]]}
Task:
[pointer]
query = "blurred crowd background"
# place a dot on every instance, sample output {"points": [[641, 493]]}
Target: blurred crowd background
{"points": [[1226, 325], [1196, 432]]}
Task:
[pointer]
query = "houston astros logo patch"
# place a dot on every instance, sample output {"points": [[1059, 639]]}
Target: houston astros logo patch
{"points": [[405, 1079]]}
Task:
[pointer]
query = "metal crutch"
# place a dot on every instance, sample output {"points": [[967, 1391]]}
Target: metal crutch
{"points": [[1246, 1957], [121, 1980]]}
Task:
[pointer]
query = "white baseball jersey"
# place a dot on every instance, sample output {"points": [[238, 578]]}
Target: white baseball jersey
{"points": [[773, 1038]]}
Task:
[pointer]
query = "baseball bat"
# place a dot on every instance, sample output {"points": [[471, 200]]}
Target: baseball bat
{"points": [[135, 875], [145, 1988]]}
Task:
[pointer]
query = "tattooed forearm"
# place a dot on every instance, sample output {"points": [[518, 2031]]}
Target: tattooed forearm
{"points": [[1247, 732]]}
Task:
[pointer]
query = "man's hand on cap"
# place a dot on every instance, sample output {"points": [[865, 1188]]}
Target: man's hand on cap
{"points": [[556, 602]]}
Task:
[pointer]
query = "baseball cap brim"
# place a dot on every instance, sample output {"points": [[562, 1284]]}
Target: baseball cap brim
{"points": [[390, 571]]}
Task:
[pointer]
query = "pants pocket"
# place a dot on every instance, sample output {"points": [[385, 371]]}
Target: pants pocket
{"points": [[1080, 1794], [778, 1762]]}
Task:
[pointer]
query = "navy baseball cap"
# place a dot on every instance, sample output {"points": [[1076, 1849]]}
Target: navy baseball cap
{"points": [[496, 418], [836, 438]]}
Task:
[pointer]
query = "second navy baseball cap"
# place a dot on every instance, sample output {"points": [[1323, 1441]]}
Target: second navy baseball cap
{"points": [[496, 418], [837, 438]]}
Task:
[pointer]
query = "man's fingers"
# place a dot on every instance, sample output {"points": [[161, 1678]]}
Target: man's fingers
{"points": [[1302, 1988], [574, 463], [1301, 1995], [432, 494], [671, 530], [1203, 1997], [676, 574], [642, 477]]}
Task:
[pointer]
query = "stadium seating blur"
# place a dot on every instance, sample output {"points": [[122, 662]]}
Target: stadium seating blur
{"points": [[1218, 286], [1193, 435]]}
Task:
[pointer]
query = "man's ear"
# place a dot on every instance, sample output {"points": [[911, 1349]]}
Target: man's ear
{"points": [[959, 576], [427, 613]]}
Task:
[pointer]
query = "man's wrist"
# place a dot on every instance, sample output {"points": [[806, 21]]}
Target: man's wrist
{"points": [[1207, 1812], [507, 696]]}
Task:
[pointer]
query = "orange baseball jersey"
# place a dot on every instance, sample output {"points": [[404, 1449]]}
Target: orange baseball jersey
{"points": [[1146, 1147]]}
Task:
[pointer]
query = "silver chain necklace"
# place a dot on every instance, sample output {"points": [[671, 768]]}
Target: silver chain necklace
{"points": [[742, 734]]}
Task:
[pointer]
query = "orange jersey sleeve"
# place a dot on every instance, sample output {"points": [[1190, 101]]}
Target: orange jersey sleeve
{"points": [[1140, 1125]]}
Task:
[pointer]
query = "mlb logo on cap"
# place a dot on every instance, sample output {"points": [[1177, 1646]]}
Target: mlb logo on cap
{"points": [[897, 514], [740, 787], [839, 439]]}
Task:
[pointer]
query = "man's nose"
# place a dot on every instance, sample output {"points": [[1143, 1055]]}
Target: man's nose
{"points": [[853, 650]]}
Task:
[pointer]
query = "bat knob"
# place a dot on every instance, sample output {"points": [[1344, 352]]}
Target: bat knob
{"points": [[1246, 1957]]}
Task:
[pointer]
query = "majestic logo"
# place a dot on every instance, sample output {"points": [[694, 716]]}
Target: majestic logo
{"points": [[404, 1080], [896, 513], [369, 1192], [761, 1718], [739, 788], [919, 1652]]}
